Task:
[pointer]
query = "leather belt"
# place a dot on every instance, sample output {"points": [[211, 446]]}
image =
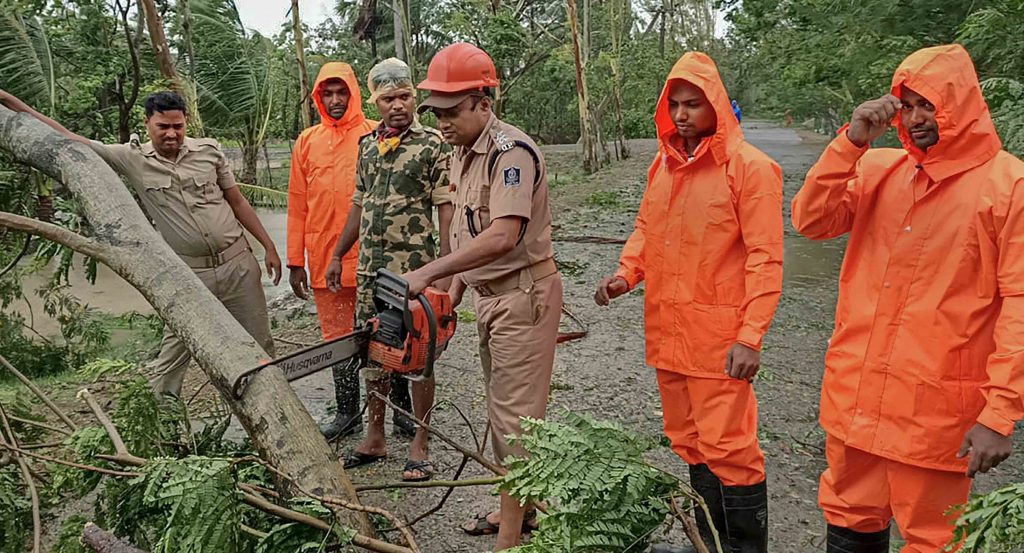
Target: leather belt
{"points": [[212, 261], [513, 280]]}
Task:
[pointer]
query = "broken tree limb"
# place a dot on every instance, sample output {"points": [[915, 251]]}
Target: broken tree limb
{"points": [[31, 385], [279, 425], [101, 541], [253, 500], [484, 462], [30, 483], [39, 424], [122, 455]]}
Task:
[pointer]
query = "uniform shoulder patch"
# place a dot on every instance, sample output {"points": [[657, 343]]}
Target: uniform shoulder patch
{"points": [[512, 176]]}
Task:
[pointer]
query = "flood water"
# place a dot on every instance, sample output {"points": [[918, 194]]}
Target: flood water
{"points": [[807, 264]]}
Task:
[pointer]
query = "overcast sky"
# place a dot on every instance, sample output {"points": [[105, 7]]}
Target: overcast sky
{"points": [[267, 16]]}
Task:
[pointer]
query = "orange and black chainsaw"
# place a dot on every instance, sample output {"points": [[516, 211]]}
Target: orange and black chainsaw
{"points": [[406, 336]]}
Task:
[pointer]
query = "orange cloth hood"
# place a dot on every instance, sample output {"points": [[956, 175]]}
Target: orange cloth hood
{"points": [[945, 75], [354, 114], [700, 70]]}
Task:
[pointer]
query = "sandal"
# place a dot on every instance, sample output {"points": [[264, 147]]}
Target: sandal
{"points": [[426, 468], [484, 527], [356, 459]]}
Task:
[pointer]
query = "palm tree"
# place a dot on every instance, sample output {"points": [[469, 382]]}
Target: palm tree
{"points": [[234, 78]]}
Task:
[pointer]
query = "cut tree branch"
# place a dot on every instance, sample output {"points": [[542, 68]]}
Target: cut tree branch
{"points": [[28, 383], [122, 455], [37, 523], [487, 464], [101, 541]]}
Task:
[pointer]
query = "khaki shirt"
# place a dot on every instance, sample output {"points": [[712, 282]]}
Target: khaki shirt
{"points": [[184, 197], [512, 189]]}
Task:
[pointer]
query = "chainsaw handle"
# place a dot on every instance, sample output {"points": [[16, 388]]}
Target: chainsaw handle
{"points": [[428, 371]]}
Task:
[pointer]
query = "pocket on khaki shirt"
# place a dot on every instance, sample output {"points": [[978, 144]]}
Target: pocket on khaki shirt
{"points": [[155, 191], [205, 189]]}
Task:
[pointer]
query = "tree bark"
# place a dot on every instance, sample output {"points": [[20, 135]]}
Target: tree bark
{"points": [[300, 58], [281, 429], [155, 24], [591, 158], [101, 541], [250, 161]]}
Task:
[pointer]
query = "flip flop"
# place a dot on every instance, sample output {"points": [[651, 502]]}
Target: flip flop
{"points": [[484, 527], [426, 468], [355, 459]]}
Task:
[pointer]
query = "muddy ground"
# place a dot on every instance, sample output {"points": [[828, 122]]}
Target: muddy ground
{"points": [[604, 375]]}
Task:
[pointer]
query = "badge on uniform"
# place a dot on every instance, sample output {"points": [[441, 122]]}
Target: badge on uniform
{"points": [[513, 176]]}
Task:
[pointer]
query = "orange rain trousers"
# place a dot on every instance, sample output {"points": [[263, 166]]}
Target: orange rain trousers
{"points": [[863, 492], [713, 421], [336, 311]]}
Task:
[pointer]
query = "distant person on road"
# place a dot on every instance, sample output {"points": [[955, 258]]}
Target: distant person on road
{"points": [[188, 190], [708, 243], [402, 179], [924, 375], [737, 111], [320, 190]]}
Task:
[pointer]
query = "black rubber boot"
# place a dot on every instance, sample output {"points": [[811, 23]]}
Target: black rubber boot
{"points": [[705, 483], [348, 418], [844, 540], [746, 517], [400, 396]]}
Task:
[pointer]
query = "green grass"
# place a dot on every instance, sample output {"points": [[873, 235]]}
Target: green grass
{"points": [[607, 199]]}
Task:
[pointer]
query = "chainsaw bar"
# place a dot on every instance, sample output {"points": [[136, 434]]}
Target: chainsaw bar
{"points": [[313, 359]]}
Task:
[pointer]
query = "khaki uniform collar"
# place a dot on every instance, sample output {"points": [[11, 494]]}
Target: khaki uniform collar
{"points": [[187, 145], [483, 142]]}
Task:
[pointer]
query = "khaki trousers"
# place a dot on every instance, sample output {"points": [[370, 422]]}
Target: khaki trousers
{"points": [[518, 332], [237, 285]]}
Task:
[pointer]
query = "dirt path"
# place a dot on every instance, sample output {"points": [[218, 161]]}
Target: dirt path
{"points": [[604, 375]]}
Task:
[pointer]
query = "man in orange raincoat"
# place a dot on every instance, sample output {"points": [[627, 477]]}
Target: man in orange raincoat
{"points": [[320, 189], [923, 375], [708, 243]]}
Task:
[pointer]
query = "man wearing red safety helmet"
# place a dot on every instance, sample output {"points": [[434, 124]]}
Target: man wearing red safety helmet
{"points": [[501, 249]]}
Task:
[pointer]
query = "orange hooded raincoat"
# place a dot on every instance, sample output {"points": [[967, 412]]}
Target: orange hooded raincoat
{"points": [[929, 328], [323, 180], [708, 239]]}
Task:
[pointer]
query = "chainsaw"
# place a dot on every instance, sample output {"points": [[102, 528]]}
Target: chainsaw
{"points": [[406, 336]]}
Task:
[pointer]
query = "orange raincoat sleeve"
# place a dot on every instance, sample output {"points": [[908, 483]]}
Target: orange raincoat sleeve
{"points": [[825, 206], [631, 261], [1004, 391], [760, 215], [297, 207]]}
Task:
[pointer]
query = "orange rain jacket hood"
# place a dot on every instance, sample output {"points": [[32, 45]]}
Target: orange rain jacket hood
{"points": [[929, 328], [708, 238], [323, 180]]}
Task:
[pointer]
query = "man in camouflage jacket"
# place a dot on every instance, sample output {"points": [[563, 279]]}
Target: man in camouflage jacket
{"points": [[402, 178]]}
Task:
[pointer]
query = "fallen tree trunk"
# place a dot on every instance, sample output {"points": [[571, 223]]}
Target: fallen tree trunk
{"points": [[281, 429], [101, 541]]}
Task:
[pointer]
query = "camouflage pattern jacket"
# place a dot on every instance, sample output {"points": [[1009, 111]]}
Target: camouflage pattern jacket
{"points": [[398, 191]]}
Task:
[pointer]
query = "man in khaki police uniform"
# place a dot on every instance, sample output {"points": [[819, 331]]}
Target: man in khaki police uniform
{"points": [[187, 189], [501, 248]]}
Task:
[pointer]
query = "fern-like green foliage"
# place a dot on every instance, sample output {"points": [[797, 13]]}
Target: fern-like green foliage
{"points": [[201, 501], [15, 511], [84, 444], [69, 539], [605, 497], [141, 421], [992, 523]]}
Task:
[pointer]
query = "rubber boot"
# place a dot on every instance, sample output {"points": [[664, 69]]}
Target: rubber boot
{"points": [[705, 483], [844, 540], [348, 418], [746, 517], [400, 396]]}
